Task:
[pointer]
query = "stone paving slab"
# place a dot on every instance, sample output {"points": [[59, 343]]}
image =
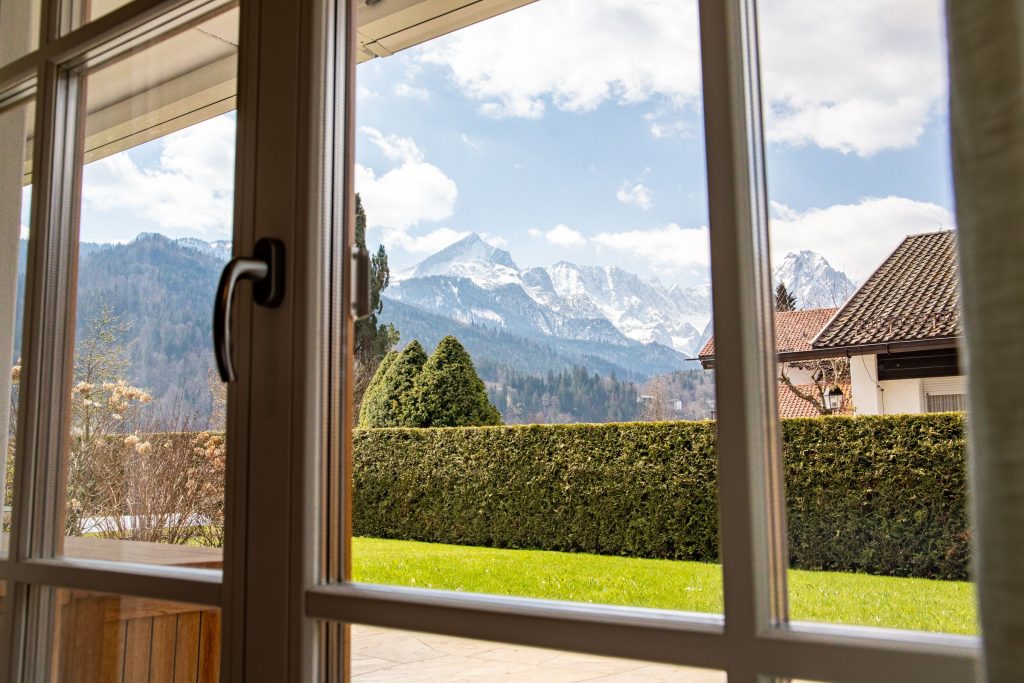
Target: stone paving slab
{"points": [[383, 655]]}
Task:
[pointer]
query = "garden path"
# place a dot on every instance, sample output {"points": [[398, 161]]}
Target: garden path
{"points": [[380, 655]]}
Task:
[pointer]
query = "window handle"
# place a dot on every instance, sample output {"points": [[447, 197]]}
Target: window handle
{"points": [[266, 270], [360, 282]]}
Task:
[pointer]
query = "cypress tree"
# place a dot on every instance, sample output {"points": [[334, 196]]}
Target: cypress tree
{"points": [[372, 395], [373, 340], [449, 393], [391, 402]]}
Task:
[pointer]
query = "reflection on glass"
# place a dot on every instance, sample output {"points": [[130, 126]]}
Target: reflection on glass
{"points": [[380, 654], [542, 286], [145, 463], [19, 29], [15, 201], [870, 382], [103, 637]]}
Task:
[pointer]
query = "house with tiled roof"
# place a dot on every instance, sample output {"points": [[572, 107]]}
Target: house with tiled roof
{"points": [[901, 330], [800, 391]]}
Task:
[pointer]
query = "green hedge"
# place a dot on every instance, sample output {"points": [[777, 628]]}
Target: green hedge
{"points": [[884, 495]]}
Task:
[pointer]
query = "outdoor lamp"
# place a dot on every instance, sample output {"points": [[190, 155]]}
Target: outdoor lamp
{"points": [[834, 399]]}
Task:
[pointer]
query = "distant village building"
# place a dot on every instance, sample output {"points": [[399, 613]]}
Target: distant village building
{"points": [[898, 333]]}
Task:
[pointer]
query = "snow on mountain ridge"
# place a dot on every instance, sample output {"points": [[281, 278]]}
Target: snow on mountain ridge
{"points": [[812, 280], [589, 302]]}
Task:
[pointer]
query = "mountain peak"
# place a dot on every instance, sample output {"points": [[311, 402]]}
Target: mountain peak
{"points": [[812, 280], [473, 258]]}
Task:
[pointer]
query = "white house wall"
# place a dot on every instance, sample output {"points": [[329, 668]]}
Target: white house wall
{"points": [[864, 385], [895, 396], [902, 396]]}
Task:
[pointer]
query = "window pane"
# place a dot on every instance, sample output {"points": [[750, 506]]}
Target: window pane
{"points": [[145, 465], [533, 188], [102, 637], [19, 29], [15, 201], [870, 382], [380, 654]]}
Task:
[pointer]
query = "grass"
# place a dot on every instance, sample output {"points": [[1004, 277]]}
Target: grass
{"points": [[860, 599]]}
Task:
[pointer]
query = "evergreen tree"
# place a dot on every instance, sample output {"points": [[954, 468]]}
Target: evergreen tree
{"points": [[391, 402], [372, 395], [373, 340], [449, 393], [784, 300]]}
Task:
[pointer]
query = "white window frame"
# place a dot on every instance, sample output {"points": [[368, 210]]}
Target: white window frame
{"points": [[285, 575], [754, 640], [272, 409]]}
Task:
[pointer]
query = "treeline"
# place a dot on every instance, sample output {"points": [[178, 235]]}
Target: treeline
{"points": [[569, 396]]}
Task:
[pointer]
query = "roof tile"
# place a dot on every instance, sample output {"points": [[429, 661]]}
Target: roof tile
{"points": [[914, 295]]}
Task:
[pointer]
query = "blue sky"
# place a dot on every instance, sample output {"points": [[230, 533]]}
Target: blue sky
{"points": [[572, 129]]}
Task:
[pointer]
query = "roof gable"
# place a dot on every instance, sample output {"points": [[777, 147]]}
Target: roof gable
{"points": [[794, 330], [913, 296]]}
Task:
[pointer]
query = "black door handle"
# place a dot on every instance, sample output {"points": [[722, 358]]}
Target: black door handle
{"points": [[266, 270]]}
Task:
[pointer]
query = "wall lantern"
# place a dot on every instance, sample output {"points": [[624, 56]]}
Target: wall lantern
{"points": [[833, 399]]}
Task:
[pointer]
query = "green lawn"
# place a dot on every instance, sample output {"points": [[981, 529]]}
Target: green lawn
{"points": [[693, 586]]}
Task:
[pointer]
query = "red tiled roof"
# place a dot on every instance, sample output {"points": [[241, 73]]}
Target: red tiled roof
{"points": [[794, 330], [913, 296], [791, 405]]}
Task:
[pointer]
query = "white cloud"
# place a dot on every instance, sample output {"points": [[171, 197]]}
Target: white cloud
{"points": [[471, 142], [855, 77], [411, 91], [493, 240], [671, 129], [394, 147], [411, 193], [189, 190], [665, 248], [637, 195], [564, 236], [433, 241], [364, 93], [24, 231], [534, 232], [575, 54], [854, 238]]}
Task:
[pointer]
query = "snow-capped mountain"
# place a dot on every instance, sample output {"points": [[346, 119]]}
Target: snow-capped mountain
{"points": [[814, 282], [474, 282], [220, 249], [608, 314]]}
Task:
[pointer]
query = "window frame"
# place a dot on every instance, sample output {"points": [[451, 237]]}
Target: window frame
{"points": [[754, 640], [305, 594]]}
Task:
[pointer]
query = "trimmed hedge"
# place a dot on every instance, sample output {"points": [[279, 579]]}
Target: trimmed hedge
{"points": [[881, 494]]}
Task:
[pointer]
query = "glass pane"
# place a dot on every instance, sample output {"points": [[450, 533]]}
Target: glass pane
{"points": [[380, 654], [145, 466], [102, 637], [871, 386], [542, 285], [15, 201], [19, 28]]}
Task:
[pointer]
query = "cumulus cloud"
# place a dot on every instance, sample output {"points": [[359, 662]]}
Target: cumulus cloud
{"points": [[562, 236], [411, 91], [637, 195], [854, 238], [664, 248], [411, 193], [573, 53], [855, 77], [433, 241], [189, 189], [493, 240]]}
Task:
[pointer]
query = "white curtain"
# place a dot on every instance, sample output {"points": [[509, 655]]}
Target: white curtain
{"points": [[986, 40]]}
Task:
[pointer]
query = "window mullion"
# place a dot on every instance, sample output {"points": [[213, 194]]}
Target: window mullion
{"points": [[36, 530], [749, 462]]}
